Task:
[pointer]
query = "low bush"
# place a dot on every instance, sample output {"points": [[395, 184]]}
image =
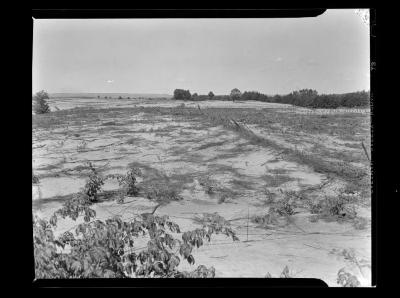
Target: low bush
{"points": [[335, 208], [162, 193], [128, 183]]}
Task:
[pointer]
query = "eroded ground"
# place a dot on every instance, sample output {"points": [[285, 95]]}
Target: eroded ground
{"points": [[271, 152]]}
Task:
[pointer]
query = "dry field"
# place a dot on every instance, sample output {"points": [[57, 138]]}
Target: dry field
{"points": [[240, 160]]}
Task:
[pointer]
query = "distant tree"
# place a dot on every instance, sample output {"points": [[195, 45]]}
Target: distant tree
{"points": [[235, 94], [128, 97], [98, 96], [181, 94], [120, 97], [105, 97], [210, 94], [40, 105]]}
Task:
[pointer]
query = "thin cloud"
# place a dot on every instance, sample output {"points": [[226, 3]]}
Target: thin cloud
{"points": [[279, 59], [110, 81]]}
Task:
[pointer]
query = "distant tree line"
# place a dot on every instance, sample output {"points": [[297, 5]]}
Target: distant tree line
{"points": [[311, 99], [308, 98]]}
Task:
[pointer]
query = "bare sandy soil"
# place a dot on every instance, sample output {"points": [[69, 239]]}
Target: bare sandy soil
{"points": [[122, 133]]}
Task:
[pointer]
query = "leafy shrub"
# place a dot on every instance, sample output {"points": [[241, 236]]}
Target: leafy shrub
{"points": [[40, 105], [106, 248], [215, 223], [283, 208], [128, 183], [336, 207], [162, 193], [267, 220], [93, 184], [286, 206]]}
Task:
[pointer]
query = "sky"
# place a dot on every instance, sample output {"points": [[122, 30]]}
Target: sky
{"points": [[328, 53]]}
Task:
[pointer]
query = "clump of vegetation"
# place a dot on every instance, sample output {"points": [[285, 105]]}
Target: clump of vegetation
{"points": [[35, 179], [269, 197], [286, 206], [210, 185], [222, 198], [93, 184], [214, 222], [128, 183], [106, 249], [282, 208], [81, 146], [40, 105], [268, 220], [333, 208], [346, 279], [284, 274], [162, 193]]}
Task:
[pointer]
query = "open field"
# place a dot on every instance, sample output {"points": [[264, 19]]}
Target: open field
{"points": [[252, 155]]}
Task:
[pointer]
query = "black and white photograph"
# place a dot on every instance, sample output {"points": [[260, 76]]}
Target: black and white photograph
{"points": [[182, 147]]}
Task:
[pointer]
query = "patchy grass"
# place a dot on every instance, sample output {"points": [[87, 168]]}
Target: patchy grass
{"points": [[276, 180]]}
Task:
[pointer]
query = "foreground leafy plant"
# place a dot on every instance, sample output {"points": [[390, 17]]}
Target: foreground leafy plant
{"points": [[106, 248]]}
